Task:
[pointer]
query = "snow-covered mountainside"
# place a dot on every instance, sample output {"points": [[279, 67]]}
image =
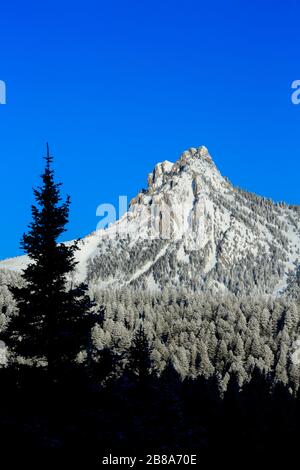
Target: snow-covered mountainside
{"points": [[192, 228]]}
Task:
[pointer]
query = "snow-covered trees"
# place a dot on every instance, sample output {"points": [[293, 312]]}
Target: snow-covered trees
{"points": [[202, 335]]}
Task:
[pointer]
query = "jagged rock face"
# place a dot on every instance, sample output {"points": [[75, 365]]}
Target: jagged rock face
{"points": [[159, 175], [192, 228]]}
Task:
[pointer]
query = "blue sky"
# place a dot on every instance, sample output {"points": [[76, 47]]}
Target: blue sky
{"points": [[117, 86]]}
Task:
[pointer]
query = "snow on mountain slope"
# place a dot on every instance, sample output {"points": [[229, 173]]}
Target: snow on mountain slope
{"points": [[87, 247], [15, 264], [192, 228]]}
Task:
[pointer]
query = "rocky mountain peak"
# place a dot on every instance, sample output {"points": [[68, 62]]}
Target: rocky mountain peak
{"points": [[192, 228], [194, 160], [157, 176], [193, 154]]}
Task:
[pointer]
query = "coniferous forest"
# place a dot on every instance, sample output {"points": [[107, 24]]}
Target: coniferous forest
{"points": [[92, 373]]}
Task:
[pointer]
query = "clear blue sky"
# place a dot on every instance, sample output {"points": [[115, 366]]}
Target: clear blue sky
{"points": [[116, 86]]}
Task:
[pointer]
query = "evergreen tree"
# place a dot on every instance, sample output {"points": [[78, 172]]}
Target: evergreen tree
{"points": [[139, 354], [52, 325]]}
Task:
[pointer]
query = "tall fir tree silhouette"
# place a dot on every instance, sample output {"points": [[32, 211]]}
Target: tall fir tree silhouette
{"points": [[139, 360], [54, 319]]}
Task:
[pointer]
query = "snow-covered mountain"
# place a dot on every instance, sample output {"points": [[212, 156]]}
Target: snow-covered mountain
{"points": [[192, 228]]}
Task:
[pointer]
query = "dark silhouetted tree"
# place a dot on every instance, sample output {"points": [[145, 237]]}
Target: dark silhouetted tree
{"points": [[53, 323], [139, 355]]}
